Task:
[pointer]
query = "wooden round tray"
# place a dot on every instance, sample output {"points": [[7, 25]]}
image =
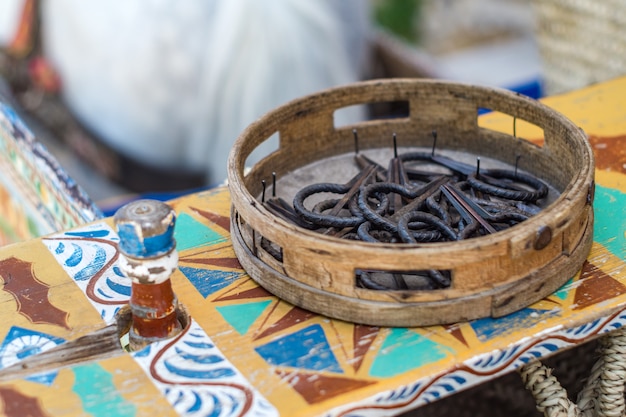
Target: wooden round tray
{"points": [[492, 275]]}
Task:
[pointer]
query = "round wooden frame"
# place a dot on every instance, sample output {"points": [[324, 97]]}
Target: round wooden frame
{"points": [[491, 276]]}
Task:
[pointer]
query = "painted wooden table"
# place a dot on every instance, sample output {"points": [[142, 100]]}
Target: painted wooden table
{"points": [[248, 353], [37, 197]]}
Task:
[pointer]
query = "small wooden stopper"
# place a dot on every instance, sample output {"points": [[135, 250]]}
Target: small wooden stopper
{"points": [[148, 258]]}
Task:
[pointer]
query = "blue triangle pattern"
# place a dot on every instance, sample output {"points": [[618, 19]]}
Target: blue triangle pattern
{"points": [[241, 316], [209, 281], [294, 350], [489, 328]]}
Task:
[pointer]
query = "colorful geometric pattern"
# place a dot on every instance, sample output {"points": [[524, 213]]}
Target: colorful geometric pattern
{"points": [[198, 380], [36, 195], [250, 353], [209, 281], [21, 343], [294, 351], [242, 316], [89, 256], [489, 328], [30, 293], [98, 394], [405, 349], [483, 367], [190, 371]]}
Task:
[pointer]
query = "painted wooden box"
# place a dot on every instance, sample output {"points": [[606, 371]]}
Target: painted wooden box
{"points": [[249, 353], [37, 197]]}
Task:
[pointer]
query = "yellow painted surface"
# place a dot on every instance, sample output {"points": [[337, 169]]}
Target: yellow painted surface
{"points": [[305, 364], [131, 392], [54, 288]]}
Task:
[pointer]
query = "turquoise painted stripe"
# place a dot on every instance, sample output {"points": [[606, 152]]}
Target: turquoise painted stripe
{"points": [[403, 350], [190, 233], [241, 316], [564, 290], [610, 220], [99, 396]]}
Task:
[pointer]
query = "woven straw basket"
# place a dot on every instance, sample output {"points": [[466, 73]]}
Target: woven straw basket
{"points": [[581, 41], [492, 275]]}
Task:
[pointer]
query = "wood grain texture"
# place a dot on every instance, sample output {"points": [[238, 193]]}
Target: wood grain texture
{"points": [[318, 272], [100, 344]]}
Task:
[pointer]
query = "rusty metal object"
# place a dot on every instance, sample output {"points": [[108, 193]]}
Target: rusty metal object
{"points": [[409, 203], [148, 258], [543, 238], [389, 206], [491, 274]]}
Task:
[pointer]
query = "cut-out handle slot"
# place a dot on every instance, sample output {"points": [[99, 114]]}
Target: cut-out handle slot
{"points": [[511, 125], [426, 280], [380, 110]]}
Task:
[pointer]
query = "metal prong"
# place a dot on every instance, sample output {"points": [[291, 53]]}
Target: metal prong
{"points": [[434, 142], [517, 158], [273, 184], [477, 166], [263, 193], [395, 146], [514, 126], [356, 141], [355, 183], [469, 209]]}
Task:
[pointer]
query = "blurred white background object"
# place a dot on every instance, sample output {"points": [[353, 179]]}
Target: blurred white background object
{"points": [[173, 83]]}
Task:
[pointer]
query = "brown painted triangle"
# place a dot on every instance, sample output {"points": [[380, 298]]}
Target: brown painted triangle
{"points": [[17, 404], [211, 257], [257, 292], [595, 287], [558, 301], [220, 262], [295, 316], [455, 331], [315, 388], [218, 219], [362, 338]]}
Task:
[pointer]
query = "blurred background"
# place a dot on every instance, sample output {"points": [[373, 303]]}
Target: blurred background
{"points": [[147, 99]]}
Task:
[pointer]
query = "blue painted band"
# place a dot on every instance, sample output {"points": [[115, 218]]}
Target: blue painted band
{"points": [[150, 247]]}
